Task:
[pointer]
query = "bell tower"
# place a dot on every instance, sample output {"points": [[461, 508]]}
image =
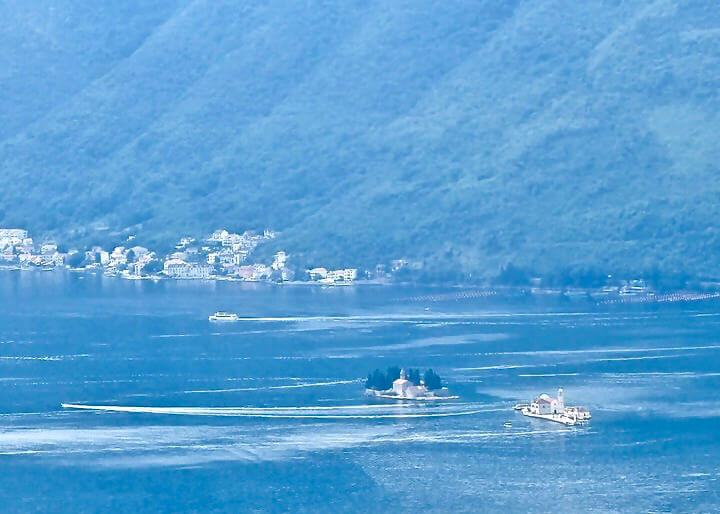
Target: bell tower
{"points": [[561, 399]]}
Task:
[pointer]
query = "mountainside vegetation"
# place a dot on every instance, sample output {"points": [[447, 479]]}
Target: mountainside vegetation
{"points": [[555, 138]]}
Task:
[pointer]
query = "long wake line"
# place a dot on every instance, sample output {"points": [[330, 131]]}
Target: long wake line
{"points": [[260, 412]]}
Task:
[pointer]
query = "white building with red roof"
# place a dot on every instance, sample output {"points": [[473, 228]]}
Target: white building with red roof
{"points": [[545, 404], [554, 409]]}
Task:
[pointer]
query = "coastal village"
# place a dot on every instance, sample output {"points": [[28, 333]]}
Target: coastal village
{"points": [[221, 256], [224, 255]]}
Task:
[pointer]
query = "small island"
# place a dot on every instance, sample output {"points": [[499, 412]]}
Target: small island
{"points": [[396, 384]]}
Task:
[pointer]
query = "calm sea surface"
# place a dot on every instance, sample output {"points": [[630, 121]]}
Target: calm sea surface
{"points": [[269, 414]]}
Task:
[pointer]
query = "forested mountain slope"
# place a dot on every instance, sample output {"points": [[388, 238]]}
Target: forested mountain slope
{"points": [[559, 136]]}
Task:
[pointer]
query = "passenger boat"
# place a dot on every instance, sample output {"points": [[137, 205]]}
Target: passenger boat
{"points": [[223, 316]]}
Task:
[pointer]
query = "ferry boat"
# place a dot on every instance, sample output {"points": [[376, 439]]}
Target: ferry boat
{"points": [[554, 409], [635, 287], [223, 316]]}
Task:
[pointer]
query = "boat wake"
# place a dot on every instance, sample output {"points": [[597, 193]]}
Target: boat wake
{"points": [[265, 388], [173, 446], [396, 411]]}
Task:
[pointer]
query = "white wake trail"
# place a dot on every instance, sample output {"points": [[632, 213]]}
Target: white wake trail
{"points": [[275, 412], [265, 388]]}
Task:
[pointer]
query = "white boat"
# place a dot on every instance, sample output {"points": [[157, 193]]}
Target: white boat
{"points": [[507, 424], [635, 287], [223, 316], [520, 406]]}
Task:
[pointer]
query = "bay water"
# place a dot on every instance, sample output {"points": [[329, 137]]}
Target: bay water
{"points": [[268, 413]]}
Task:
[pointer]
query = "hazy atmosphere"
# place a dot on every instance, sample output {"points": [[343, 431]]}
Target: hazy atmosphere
{"points": [[377, 256], [556, 136]]}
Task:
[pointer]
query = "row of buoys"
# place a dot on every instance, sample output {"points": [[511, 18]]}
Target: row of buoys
{"points": [[647, 298], [666, 298], [463, 295]]}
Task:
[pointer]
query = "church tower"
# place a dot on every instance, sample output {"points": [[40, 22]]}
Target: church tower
{"points": [[561, 400]]}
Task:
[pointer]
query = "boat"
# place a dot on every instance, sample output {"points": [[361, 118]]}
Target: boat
{"points": [[635, 287], [507, 424], [223, 316], [520, 406]]}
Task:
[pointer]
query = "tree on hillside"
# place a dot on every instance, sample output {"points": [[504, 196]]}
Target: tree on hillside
{"points": [[432, 380], [76, 259], [512, 275], [369, 382], [377, 380], [393, 373], [413, 375], [153, 267]]}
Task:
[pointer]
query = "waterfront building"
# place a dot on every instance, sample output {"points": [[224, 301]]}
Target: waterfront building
{"points": [[261, 272], [48, 248], [13, 233], [279, 261], [26, 245], [177, 268], [245, 272], [318, 273], [349, 274], [135, 268], [341, 275]]}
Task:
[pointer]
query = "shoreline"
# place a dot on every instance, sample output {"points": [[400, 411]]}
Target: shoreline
{"points": [[459, 291]]}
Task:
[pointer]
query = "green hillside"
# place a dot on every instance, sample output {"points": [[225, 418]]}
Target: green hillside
{"points": [[561, 137]]}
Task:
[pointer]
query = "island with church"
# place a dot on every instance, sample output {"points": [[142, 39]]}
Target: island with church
{"points": [[554, 409], [397, 384]]}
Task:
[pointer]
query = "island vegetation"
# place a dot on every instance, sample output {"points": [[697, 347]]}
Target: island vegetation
{"points": [[379, 381]]}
